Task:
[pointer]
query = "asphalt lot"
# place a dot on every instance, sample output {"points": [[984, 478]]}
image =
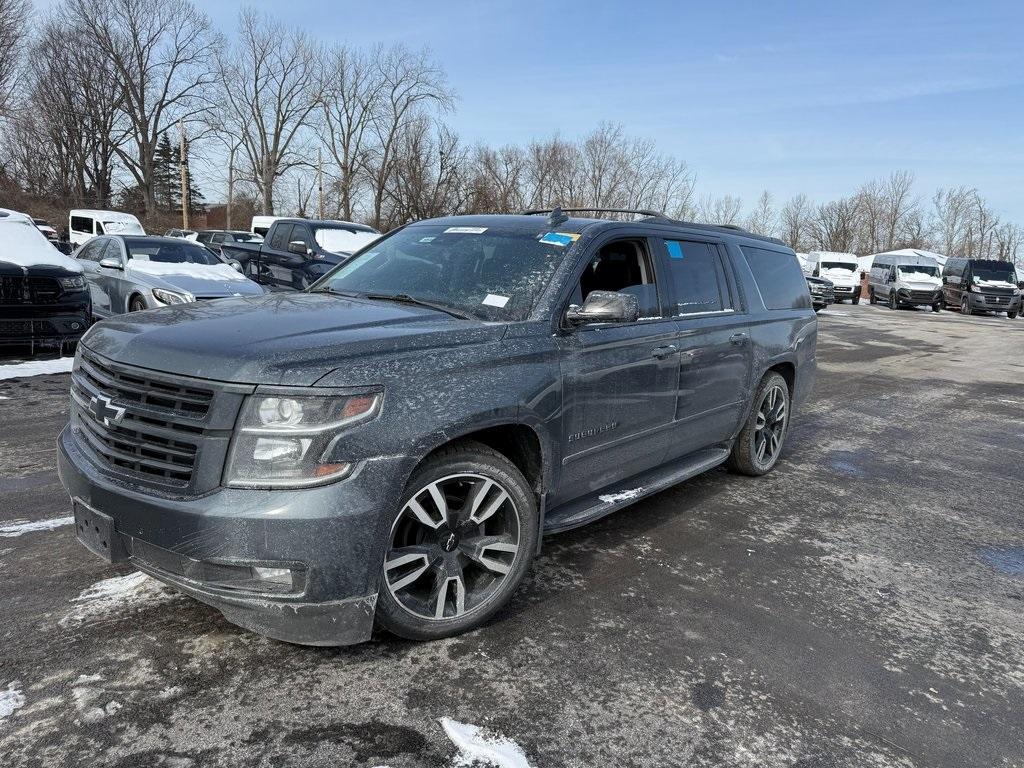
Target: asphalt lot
{"points": [[863, 605]]}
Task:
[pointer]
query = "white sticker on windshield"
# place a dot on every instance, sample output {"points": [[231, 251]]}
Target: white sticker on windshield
{"points": [[494, 300], [427, 239], [465, 230]]}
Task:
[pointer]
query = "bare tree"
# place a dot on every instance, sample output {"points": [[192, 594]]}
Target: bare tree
{"points": [[412, 85], [499, 179], [719, 210], [797, 222], [762, 220], [15, 16], [1009, 242], [834, 226], [352, 99], [161, 52], [272, 79], [428, 175], [950, 215]]}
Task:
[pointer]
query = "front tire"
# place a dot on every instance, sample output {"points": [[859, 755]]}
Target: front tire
{"points": [[460, 544], [965, 306], [759, 444], [855, 299], [893, 304], [872, 299], [1012, 315], [937, 307], [136, 304]]}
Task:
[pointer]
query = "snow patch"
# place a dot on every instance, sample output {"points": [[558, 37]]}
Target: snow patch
{"points": [[19, 527], [10, 700], [218, 272], [614, 498], [476, 746], [36, 368], [23, 245], [116, 596]]}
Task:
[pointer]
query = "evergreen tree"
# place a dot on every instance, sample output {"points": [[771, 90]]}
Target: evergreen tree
{"points": [[166, 175]]}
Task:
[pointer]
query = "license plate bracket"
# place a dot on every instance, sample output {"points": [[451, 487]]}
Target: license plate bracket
{"points": [[97, 532]]}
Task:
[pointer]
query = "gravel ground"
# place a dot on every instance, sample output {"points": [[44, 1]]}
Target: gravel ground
{"points": [[860, 606]]}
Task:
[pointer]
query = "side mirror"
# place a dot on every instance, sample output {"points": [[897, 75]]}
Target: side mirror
{"points": [[111, 263], [298, 247], [605, 307]]}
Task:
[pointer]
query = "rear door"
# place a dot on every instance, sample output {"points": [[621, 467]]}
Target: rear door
{"points": [[714, 343], [89, 257], [274, 267]]}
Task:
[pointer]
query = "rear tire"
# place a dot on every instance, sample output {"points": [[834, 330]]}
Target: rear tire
{"points": [[760, 442], [449, 566]]}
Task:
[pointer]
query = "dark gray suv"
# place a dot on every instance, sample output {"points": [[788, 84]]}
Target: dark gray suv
{"points": [[390, 445]]}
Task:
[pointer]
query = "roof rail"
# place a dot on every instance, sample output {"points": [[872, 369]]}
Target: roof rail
{"points": [[735, 227], [558, 210]]}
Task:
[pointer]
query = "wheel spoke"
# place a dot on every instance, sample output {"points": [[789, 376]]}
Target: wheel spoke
{"points": [[774, 443], [761, 443], [484, 550], [492, 506], [439, 500], [404, 557], [449, 587], [422, 515]]}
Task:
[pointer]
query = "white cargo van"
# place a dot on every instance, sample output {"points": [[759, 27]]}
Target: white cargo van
{"points": [[841, 269], [905, 279], [84, 225]]}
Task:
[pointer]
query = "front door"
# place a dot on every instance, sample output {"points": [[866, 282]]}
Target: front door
{"points": [[618, 379], [714, 344]]}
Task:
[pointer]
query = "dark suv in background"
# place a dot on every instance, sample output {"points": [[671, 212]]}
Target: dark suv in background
{"points": [[391, 444], [981, 285]]}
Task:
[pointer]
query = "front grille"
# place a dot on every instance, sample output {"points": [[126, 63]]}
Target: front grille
{"points": [[29, 289], [997, 300], [921, 297], [27, 328], [152, 428]]}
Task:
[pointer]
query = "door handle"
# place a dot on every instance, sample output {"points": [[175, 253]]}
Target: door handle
{"points": [[660, 353], [738, 339]]}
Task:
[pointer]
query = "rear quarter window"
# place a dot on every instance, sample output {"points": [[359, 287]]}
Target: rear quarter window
{"points": [[778, 277]]}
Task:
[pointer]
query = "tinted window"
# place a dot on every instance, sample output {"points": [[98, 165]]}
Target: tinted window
{"points": [[91, 251], [698, 277], [280, 240], [298, 235], [169, 252], [111, 251], [81, 224], [778, 277]]}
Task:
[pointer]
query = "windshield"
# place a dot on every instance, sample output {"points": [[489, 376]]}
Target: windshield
{"points": [[343, 240], [910, 270], [182, 252], [123, 227], [488, 272], [839, 265], [1003, 273]]}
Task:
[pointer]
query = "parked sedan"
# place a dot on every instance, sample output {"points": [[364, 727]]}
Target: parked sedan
{"points": [[131, 273]]}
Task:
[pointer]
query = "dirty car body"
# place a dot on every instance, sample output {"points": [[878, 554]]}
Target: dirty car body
{"points": [[160, 451]]}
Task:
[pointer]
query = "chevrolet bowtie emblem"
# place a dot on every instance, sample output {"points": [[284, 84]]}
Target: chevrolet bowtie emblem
{"points": [[105, 411]]}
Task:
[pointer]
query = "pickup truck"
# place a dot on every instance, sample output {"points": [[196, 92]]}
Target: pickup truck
{"points": [[298, 252]]}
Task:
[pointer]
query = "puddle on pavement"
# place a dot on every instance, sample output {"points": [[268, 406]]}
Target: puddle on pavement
{"points": [[1009, 560], [845, 462]]}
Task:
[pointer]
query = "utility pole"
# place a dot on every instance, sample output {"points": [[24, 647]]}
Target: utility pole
{"points": [[186, 201], [320, 180], [231, 185]]}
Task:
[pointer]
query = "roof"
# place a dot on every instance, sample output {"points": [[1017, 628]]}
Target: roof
{"points": [[325, 223], [22, 244], [579, 224], [108, 215]]}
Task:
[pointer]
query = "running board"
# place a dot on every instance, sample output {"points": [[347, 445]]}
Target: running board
{"points": [[608, 500]]}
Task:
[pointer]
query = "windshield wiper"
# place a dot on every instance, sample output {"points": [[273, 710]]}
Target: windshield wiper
{"points": [[405, 298], [333, 292]]}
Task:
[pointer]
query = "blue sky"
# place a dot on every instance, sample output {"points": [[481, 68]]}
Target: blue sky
{"points": [[789, 96]]}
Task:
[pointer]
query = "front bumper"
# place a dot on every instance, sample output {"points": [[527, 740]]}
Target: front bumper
{"points": [[907, 296], [845, 292], [19, 326], [336, 533], [988, 302]]}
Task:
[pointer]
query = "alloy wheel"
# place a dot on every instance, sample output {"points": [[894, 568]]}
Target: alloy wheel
{"points": [[770, 427], [452, 546]]}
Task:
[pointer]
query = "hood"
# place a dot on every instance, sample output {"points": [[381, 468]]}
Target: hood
{"points": [[279, 338], [841, 276], [23, 245], [920, 281], [982, 283], [201, 280]]}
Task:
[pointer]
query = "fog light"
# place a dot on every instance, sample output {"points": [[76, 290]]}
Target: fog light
{"points": [[282, 576]]}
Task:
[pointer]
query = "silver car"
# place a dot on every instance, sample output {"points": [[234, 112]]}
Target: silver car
{"points": [[128, 273]]}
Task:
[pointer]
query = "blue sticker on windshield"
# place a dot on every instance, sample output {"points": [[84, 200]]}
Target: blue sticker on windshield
{"points": [[675, 249], [559, 238]]}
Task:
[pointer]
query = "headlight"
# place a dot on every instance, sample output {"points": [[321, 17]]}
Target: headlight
{"points": [[975, 289], [172, 297], [75, 283], [285, 441]]}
